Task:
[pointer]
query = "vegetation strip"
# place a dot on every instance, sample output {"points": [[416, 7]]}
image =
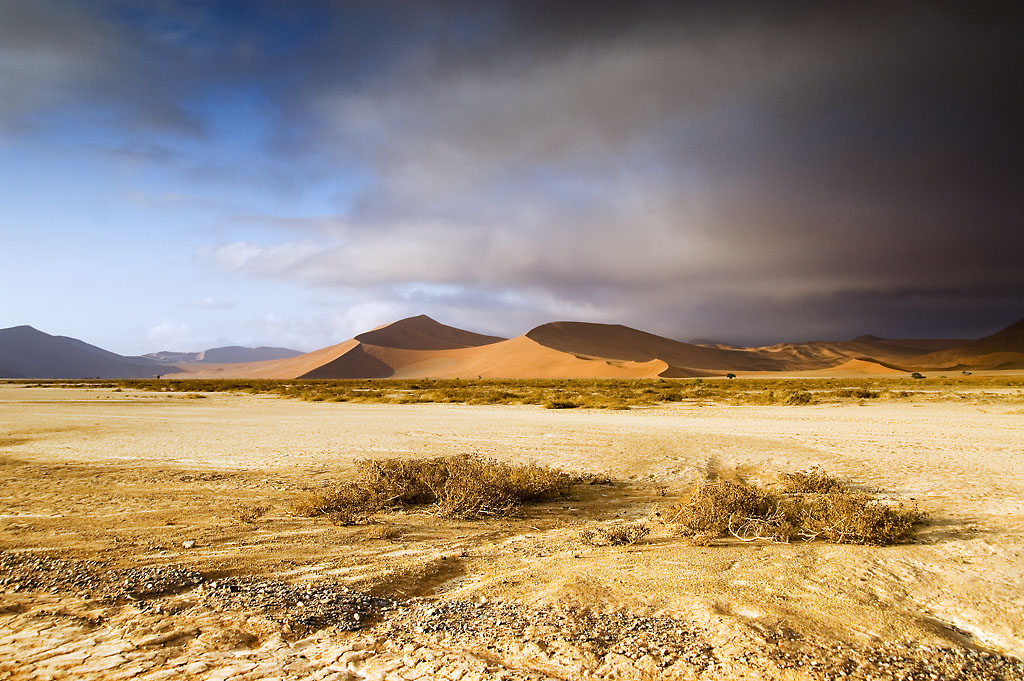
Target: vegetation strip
{"points": [[591, 393]]}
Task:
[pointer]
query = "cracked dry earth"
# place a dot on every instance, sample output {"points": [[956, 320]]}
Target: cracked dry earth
{"points": [[124, 553]]}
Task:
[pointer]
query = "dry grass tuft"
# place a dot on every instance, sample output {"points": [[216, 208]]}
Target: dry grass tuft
{"points": [[619, 534], [858, 518], [812, 480], [789, 396], [562, 404], [809, 505], [450, 486], [250, 513], [384, 532]]}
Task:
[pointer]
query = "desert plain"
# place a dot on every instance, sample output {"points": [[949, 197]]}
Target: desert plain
{"points": [[150, 535]]}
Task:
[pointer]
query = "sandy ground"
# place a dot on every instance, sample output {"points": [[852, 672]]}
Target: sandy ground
{"points": [[124, 555]]}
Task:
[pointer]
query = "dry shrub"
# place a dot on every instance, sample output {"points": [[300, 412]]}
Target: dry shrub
{"points": [[789, 396], [250, 513], [844, 517], [453, 486], [809, 505], [860, 393], [716, 508], [386, 532], [345, 505], [812, 480], [619, 534]]}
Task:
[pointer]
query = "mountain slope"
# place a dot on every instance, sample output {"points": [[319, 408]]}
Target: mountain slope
{"points": [[26, 352]]}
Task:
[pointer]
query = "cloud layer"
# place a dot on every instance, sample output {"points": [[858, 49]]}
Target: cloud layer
{"points": [[692, 169]]}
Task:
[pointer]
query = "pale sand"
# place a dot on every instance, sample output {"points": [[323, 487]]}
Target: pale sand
{"points": [[100, 474]]}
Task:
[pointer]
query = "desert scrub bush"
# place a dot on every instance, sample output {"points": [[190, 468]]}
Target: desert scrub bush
{"points": [[383, 532], [807, 505], [717, 508], [897, 395], [811, 481], [250, 513], [787, 396], [344, 505], [844, 517], [618, 534], [861, 393], [469, 487]]}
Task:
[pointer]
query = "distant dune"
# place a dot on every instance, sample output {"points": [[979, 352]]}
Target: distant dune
{"points": [[231, 354], [234, 354], [293, 367], [420, 347], [859, 367], [623, 343], [1002, 350], [518, 357]]}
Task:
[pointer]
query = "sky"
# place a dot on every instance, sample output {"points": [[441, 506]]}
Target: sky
{"points": [[182, 175]]}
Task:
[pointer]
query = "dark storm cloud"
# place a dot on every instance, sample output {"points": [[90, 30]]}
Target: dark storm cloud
{"points": [[68, 64], [694, 155], [676, 166]]}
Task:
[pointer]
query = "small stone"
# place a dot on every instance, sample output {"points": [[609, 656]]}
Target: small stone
{"points": [[188, 544]]}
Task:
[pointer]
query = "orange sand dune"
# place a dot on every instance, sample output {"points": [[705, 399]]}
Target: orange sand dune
{"points": [[826, 354], [1003, 349], [419, 347], [851, 368], [275, 368], [990, 361], [349, 359], [516, 358], [622, 342], [423, 333], [863, 366]]}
